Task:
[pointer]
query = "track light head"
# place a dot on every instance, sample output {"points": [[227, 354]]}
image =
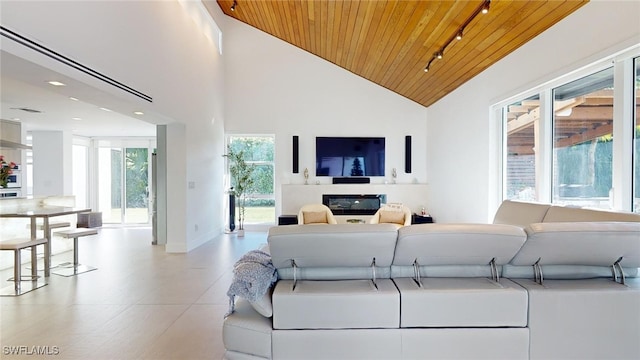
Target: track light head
{"points": [[426, 69], [485, 7], [438, 55], [233, 7], [459, 35]]}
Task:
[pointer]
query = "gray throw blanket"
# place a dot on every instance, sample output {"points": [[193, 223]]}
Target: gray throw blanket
{"points": [[253, 275]]}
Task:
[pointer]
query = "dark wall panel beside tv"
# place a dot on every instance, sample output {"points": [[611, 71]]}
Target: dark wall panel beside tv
{"points": [[350, 156]]}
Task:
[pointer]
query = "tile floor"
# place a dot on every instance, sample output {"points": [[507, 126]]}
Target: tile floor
{"points": [[141, 303]]}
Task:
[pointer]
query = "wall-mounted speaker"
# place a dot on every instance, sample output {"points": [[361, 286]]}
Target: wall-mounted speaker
{"points": [[407, 154], [295, 154]]}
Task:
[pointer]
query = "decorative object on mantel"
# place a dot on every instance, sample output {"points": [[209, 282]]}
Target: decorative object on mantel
{"points": [[306, 176], [6, 169], [242, 180]]}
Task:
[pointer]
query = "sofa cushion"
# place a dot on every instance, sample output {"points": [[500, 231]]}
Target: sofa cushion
{"points": [[457, 244], [369, 344], [520, 213], [572, 214], [247, 332], [393, 217], [340, 245], [584, 319], [590, 243], [263, 305], [466, 343], [462, 302], [314, 217], [345, 304]]}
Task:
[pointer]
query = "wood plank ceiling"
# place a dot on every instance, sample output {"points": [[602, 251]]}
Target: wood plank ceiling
{"points": [[390, 42]]}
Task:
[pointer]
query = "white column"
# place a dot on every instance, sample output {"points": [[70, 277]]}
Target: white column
{"points": [[176, 163]]}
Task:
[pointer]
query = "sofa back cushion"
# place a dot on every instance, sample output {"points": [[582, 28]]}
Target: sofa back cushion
{"points": [[455, 249], [333, 247], [589, 243], [572, 214], [520, 213]]}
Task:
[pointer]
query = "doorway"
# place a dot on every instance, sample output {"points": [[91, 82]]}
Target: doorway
{"points": [[124, 184]]}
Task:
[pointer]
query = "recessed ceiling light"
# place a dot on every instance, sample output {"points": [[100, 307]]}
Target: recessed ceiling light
{"points": [[138, 112], [72, 98], [77, 118], [15, 119], [57, 83], [105, 109]]}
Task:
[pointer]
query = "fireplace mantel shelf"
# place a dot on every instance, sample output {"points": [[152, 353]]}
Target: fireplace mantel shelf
{"points": [[295, 195]]}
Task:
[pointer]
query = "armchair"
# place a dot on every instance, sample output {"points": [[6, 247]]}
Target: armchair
{"points": [[392, 213], [316, 214]]}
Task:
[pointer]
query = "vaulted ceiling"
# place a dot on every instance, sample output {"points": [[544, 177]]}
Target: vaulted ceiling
{"points": [[390, 42]]}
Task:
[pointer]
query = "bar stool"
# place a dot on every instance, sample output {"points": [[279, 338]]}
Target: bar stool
{"points": [[33, 282], [77, 267]]}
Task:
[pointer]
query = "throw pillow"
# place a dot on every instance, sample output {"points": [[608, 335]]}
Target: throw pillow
{"points": [[394, 217], [314, 217], [263, 306]]}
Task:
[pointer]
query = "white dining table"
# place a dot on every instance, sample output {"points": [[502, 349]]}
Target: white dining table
{"points": [[44, 212]]}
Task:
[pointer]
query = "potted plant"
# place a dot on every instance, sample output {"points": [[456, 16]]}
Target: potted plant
{"points": [[6, 169], [241, 182]]}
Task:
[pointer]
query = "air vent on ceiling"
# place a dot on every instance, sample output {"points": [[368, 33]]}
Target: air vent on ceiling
{"points": [[28, 110], [70, 62]]}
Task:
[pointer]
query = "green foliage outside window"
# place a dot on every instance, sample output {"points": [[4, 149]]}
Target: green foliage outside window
{"points": [[137, 175], [257, 150], [585, 169]]}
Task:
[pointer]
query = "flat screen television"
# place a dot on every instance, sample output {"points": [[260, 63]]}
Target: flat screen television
{"points": [[350, 156]]}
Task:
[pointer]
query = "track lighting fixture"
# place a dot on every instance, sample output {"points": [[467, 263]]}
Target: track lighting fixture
{"points": [[484, 8], [233, 7]]}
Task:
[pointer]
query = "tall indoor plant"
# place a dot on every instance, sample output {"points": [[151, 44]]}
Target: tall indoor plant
{"points": [[241, 181]]}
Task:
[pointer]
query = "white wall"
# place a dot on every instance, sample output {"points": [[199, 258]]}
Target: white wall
{"points": [[52, 158], [464, 175], [154, 47], [273, 87]]}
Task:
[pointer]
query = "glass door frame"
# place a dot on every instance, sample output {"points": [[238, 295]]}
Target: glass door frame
{"points": [[123, 144]]}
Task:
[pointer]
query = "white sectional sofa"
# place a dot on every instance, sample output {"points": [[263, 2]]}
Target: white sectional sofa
{"points": [[541, 282]]}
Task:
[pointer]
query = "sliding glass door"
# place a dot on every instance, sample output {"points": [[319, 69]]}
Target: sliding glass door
{"points": [[124, 184]]}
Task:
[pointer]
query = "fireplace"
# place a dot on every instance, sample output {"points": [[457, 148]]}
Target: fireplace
{"points": [[341, 204]]}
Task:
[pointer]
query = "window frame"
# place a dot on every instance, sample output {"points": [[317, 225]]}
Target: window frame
{"points": [[623, 120]]}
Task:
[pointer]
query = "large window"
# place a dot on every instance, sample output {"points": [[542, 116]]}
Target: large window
{"points": [[576, 140], [583, 141], [259, 150]]}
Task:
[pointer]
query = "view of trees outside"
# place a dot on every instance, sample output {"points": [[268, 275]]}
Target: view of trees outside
{"points": [[259, 151], [137, 175], [124, 177], [583, 141]]}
